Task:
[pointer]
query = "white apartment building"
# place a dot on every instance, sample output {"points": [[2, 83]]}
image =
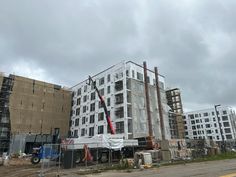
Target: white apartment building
{"points": [[122, 87], [204, 124]]}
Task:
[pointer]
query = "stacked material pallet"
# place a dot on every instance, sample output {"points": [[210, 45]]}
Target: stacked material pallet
{"points": [[174, 149]]}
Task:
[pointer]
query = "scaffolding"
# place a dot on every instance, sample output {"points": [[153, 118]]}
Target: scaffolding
{"points": [[5, 128]]}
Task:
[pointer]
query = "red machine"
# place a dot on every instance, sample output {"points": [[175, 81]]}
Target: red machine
{"points": [[103, 105]]}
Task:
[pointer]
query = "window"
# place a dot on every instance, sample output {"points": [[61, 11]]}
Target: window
{"points": [[91, 119], [196, 115], [79, 91], [226, 124], [194, 127], [108, 89], [93, 96], [197, 121], [133, 74], [215, 124], [213, 113], [93, 85], [119, 112], [76, 122], [100, 116], [101, 91], [92, 107], [119, 85], [127, 73], [101, 81], [108, 78], [208, 126], [224, 112], [119, 75], [82, 131], [91, 131], [83, 120], [119, 127], [100, 129], [216, 130], [224, 117], [207, 120], [119, 98], [84, 109], [208, 131], [85, 88], [228, 136], [191, 116], [85, 98], [78, 111], [139, 76], [205, 114], [108, 101], [78, 101], [75, 133], [227, 130], [192, 122]]}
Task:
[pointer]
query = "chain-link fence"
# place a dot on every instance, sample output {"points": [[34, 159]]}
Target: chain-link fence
{"points": [[50, 156]]}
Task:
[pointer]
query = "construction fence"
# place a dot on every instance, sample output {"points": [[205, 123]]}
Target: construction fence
{"points": [[56, 157]]}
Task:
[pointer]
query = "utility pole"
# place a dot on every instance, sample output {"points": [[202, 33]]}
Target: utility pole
{"points": [[220, 126], [159, 104], [147, 99]]}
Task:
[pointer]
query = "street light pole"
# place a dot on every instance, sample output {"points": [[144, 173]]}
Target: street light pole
{"points": [[220, 126]]}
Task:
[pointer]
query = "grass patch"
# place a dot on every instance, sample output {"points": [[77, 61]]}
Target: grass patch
{"points": [[223, 156]]}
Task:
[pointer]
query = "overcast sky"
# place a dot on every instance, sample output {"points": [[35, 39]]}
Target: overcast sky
{"points": [[192, 42]]}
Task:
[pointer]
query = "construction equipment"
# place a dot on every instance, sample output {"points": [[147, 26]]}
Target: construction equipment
{"points": [[103, 105], [46, 152]]}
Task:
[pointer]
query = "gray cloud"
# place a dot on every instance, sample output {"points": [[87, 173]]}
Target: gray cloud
{"points": [[192, 42]]}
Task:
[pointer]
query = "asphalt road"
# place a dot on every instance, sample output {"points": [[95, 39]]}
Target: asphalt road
{"points": [[222, 168]]}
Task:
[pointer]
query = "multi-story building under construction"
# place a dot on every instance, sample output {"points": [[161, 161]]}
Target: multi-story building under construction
{"points": [[176, 113], [132, 114], [29, 108]]}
